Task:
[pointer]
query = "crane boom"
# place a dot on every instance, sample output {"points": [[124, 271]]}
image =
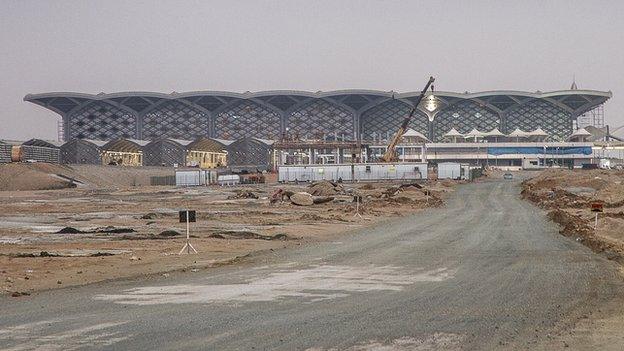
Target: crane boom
{"points": [[391, 155]]}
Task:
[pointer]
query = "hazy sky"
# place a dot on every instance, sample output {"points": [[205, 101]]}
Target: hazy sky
{"points": [[165, 46]]}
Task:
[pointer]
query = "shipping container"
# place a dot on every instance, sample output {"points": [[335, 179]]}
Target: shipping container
{"points": [[195, 177]]}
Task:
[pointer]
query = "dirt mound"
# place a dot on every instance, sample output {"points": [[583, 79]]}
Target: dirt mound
{"points": [[46, 176], [244, 234], [325, 188], [103, 230], [242, 194], [302, 199], [32, 176], [568, 194], [169, 233]]}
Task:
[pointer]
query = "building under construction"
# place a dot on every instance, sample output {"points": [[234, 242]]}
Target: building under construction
{"points": [[250, 155], [123, 152], [5, 152], [82, 151]]}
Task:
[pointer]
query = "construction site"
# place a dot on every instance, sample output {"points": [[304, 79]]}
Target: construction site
{"points": [[93, 223], [90, 210]]}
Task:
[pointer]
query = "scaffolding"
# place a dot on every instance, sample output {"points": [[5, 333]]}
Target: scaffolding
{"points": [[594, 118]]}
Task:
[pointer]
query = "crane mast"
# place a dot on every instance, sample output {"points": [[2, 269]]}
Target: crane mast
{"points": [[391, 155]]}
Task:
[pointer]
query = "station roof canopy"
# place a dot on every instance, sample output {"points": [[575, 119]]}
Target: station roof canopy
{"points": [[573, 101]]}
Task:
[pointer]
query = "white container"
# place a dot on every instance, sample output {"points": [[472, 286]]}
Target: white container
{"points": [[195, 177], [228, 180], [449, 170], [349, 172]]}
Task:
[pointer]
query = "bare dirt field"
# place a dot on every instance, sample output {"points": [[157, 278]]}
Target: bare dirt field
{"points": [[107, 229], [568, 195]]}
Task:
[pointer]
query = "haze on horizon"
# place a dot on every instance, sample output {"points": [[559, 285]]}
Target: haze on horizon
{"points": [[165, 46]]}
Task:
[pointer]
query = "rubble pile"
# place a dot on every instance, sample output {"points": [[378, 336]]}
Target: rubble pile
{"points": [[325, 188], [242, 194]]}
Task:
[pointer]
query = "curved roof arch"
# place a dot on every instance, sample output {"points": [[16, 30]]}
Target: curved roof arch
{"points": [[574, 101]]}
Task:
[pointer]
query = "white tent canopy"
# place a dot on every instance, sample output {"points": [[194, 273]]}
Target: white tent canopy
{"points": [[412, 133], [517, 133], [474, 133], [453, 133], [538, 132], [581, 132], [494, 133]]}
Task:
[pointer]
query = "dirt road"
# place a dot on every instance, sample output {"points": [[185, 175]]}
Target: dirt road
{"points": [[488, 271]]}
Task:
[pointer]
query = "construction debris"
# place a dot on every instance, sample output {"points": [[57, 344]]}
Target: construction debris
{"points": [[321, 199], [302, 199], [106, 230], [245, 234], [568, 196], [325, 188], [242, 194], [169, 233]]}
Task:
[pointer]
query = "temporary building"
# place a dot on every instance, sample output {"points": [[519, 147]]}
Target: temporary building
{"points": [[195, 177], [39, 150], [123, 152], [206, 153], [449, 170], [250, 154], [82, 151], [165, 152], [354, 172]]}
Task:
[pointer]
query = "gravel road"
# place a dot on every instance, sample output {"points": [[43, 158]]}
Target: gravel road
{"points": [[487, 271]]}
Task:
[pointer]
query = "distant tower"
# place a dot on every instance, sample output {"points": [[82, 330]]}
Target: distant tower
{"points": [[573, 87]]}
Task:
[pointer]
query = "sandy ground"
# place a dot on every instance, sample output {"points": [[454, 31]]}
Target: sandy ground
{"points": [[568, 195], [35, 256]]}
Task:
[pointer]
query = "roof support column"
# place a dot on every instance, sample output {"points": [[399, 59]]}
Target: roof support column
{"points": [[138, 122], [66, 124], [283, 124], [356, 125], [503, 123]]}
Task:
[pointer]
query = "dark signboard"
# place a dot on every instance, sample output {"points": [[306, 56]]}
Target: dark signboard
{"points": [[191, 216]]}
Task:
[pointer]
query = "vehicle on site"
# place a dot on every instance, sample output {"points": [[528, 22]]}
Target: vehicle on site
{"points": [[507, 176], [391, 155]]}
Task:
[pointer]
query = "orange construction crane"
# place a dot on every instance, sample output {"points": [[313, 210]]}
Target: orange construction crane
{"points": [[391, 154]]}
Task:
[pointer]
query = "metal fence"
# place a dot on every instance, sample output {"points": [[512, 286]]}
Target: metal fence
{"points": [[163, 180]]}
